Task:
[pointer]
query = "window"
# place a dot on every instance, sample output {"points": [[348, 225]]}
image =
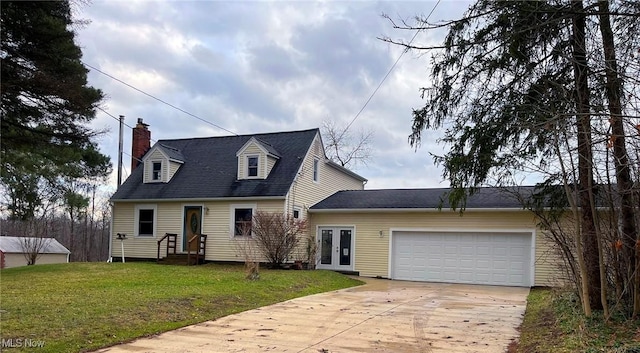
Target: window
{"points": [[145, 220], [252, 166], [296, 212], [242, 221], [316, 164], [157, 171]]}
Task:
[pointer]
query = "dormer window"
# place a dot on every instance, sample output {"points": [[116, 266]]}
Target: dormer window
{"points": [[252, 166], [157, 171], [256, 159]]}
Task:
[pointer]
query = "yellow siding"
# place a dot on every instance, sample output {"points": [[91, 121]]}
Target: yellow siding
{"points": [[270, 163], [221, 245], [155, 156], [372, 251], [304, 193], [216, 223], [173, 168], [169, 220], [252, 150]]}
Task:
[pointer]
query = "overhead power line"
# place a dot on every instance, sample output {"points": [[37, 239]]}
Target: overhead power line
{"points": [[387, 74], [127, 125], [158, 99]]}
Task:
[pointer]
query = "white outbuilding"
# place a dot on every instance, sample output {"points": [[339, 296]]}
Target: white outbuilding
{"points": [[13, 249]]}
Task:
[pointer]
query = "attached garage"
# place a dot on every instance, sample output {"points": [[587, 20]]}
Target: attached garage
{"points": [[495, 258], [412, 234]]}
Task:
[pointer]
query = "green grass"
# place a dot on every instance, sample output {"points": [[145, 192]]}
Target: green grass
{"points": [[554, 323], [83, 306]]}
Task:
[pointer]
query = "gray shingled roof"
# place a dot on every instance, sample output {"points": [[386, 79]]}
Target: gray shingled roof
{"points": [[210, 169], [171, 152], [14, 245], [268, 147], [419, 199]]}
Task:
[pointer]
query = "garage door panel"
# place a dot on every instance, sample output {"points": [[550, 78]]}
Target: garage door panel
{"points": [[467, 250], [467, 263], [479, 258], [483, 264]]}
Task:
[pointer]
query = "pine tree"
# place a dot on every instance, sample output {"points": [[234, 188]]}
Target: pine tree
{"points": [[514, 83], [47, 104]]}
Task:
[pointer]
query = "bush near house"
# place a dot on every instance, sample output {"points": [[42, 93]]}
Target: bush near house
{"points": [[277, 236]]}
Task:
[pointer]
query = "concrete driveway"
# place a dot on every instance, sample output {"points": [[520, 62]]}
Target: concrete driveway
{"points": [[380, 316]]}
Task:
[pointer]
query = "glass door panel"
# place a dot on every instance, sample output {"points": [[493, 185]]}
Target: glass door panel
{"points": [[345, 247], [326, 246]]}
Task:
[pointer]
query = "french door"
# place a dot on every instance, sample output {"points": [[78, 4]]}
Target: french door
{"points": [[335, 245]]}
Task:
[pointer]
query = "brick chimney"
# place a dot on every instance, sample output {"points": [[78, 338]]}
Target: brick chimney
{"points": [[140, 144]]}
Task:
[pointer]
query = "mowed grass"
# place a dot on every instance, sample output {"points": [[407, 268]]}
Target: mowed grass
{"points": [[84, 306], [554, 323]]}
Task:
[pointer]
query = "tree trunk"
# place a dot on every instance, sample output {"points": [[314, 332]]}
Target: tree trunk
{"points": [[621, 161], [585, 156]]}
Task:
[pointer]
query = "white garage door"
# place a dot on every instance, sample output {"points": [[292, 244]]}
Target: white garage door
{"points": [[476, 258]]}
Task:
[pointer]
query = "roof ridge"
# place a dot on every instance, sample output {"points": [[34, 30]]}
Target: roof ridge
{"points": [[263, 141], [169, 147], [239, 136]]}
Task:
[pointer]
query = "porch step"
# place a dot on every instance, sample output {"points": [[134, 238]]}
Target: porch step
{"points": [[177, 259]]}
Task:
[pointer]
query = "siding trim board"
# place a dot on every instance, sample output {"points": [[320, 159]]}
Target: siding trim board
{"points": [[232, 217], [136, 220]]}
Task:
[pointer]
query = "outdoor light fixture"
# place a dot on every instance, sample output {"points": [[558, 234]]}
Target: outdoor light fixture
{"points": [[381, 234]]}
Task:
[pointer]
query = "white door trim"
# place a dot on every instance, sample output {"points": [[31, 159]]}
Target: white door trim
{"points": [[531, 231], [335, 265]]}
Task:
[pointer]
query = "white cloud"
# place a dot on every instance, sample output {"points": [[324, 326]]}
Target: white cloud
{"points": [[265, 66]]}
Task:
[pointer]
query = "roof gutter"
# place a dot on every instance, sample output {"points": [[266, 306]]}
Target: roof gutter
{"points": [[414, 210], [109, 258]]}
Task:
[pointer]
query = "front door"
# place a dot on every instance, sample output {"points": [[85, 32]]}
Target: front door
{"points": [[336, 248], [192, 226]]}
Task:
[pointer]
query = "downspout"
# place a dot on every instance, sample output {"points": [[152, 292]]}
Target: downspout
{"points": [[286, 202], [110, 259]]}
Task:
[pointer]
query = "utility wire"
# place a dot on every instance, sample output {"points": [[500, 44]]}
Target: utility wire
{"points": [[388, 73], [158, 99], [127, 125], [118, 119]]}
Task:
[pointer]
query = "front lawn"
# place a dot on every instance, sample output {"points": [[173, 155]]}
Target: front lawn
{"points": [[85, 306], [554, 323]]}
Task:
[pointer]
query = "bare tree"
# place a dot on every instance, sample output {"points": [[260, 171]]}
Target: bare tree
{"points": [[345, 148], [246, 247], [32, 248], [32, 238], [277, 235]]}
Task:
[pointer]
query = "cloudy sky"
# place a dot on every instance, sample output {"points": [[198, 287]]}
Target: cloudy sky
{"points": [[253, 67]]}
